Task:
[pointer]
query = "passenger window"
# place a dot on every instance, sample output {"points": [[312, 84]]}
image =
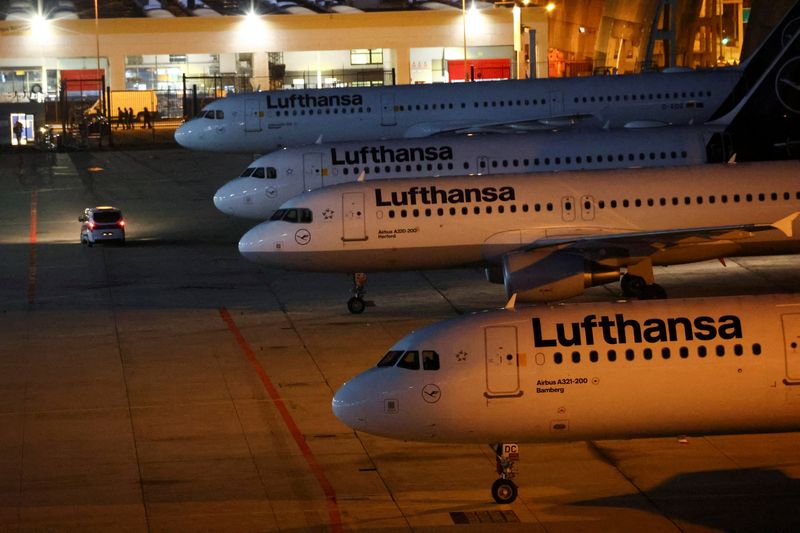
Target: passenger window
{"points": [[558, 358], [390, 358], [410, 360], [756, 349], [258, 172], [430, 360]]}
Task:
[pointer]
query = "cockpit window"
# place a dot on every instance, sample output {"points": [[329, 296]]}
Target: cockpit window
{"points": [[272, 173], [247, 172], [219, 114], [390, 358], [430, 360], [258, 172], [300, 215], [410, 360]]}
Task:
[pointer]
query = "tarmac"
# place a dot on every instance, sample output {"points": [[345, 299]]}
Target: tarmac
{"points": [[170, 385]]}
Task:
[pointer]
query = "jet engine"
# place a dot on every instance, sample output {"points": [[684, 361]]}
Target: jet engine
{"points": [[540, 276]]}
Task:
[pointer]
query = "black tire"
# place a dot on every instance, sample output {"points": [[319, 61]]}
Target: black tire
{"points": [[356, 305], [504, 491], [654, 292], [632, 285]]}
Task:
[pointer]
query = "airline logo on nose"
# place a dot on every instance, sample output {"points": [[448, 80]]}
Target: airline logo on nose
{"points": [[302, 236]]}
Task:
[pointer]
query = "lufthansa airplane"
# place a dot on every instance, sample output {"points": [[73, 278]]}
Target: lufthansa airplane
{"points": [[586, 371], [546, 238], [263, 121], [278, 176]]}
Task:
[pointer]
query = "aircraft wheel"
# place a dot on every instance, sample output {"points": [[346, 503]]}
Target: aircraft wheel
{"points": [[356, 305], [632, 285], [504, 491], [653, 292]]}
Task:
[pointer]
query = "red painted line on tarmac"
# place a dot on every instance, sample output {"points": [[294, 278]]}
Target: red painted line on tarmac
{"points": [[316, 469], [32, 249]]}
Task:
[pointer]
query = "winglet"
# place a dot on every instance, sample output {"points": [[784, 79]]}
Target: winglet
{"points": [[785, 224], [319, 139], [361, 176], [511, 302]]}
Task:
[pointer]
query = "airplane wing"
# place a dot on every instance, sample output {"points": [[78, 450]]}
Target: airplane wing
{"points": [[633, 245], [427, 129]]}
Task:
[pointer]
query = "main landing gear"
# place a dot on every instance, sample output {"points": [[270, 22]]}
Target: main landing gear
{"points": [[638, 282], [503, 489], [635, 286], [356, 303]]}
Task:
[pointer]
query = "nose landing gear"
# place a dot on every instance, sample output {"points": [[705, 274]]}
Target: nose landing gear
{"points": [[503, 489], [356, 303]]}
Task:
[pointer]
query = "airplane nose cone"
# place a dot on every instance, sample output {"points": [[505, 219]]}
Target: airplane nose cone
{"points": [[225, 197], [251, 245], [350, 404], [186, 135]]}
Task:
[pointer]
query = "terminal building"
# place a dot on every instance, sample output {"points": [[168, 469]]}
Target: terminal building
{"points": [[146, 53]]}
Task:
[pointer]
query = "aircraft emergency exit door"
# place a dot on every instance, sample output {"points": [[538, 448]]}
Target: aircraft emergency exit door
{"points": [[312, 171], [502, 364], [791, 337], [252, 114], [388, 117], [353, 228]]}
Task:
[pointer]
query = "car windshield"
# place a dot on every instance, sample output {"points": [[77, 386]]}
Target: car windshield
{"points": [[105, 217]]}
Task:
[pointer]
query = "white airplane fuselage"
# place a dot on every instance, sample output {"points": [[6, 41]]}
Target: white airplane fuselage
{"points": [[263, 121], [409, 224], [276, 177], [589, 371]]}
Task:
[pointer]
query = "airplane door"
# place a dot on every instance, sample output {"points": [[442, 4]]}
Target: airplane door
{"points": [[483, 164], [353, 228], [791, 337], [387, 110], [312, 171], [587, 207], [502, 361], [568, 208], [252, 114], [556, 103]]}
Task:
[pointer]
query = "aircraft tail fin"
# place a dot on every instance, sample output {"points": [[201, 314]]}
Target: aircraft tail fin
{"points": [[754, 66], [765, 123]]}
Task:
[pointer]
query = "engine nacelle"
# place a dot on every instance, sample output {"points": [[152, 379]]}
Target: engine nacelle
{"points": [[494, 274], [540, 276]]}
